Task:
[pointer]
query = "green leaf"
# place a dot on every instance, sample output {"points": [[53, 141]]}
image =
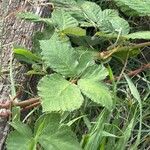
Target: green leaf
{"points": [[21, 128], [107, 36], [114, 25], [45, 34], [139, 35], [97, 92], [45, 122], [48, 132], [108, 13], [85, 59], [86, 24], [86, 41], [107, 20], [18, 141], [91, 10], [58, 94], [126, 53], [29, 16], [26, 56], [59, 55], [95, 73], [54, 136], [134, 8], [63, 20], [75, 31], [21, 138], [62, 139]]}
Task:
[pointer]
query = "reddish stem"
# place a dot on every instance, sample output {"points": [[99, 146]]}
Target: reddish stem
{"points": [[27, 102], [134, 72], [31, 106]]}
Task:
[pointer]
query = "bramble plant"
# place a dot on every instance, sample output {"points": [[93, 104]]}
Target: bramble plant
{"points": [[73, 61]]}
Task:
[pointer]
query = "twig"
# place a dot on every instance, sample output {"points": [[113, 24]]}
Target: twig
{"points": [[137, 71], [133, 73], [106, 54], [27, 102], [31, 106]]}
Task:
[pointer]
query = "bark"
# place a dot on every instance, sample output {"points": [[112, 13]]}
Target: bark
{"points": [[14, 32]]}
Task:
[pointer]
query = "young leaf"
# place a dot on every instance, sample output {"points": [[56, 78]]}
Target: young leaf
{"points": [[59, 55], [26, 56], [58, 94], [63, 20], [97, 92], [139, 35], [75, 31], [29, 16], [106, 36]]}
